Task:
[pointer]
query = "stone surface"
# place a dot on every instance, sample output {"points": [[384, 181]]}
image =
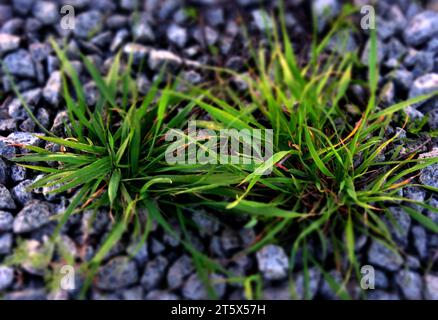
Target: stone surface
{"points": [[8, 42], [381, 256], [6, 201], [119, 272], [272, 262], [6, 221], [421, 28], [33, 216], [6, 277], [410, 284], [19, 63]]}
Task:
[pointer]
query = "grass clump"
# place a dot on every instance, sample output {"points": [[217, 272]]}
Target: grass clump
{"points": [[329, 183]]}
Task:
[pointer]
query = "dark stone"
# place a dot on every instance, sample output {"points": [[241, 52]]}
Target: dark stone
{"points": [[118, 273]]}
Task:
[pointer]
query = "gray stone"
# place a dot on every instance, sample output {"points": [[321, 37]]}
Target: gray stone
{"points": [[8, 42], [206, 36], [194, 289], [424, 85], [413, 114], [3, 172], [215, 17], [230, 240], [386, 28], [178, 271], [399, 223], [138, 251], [314, 276], [116, 21], [12, 26], [5, 243], [6, 277], [262, 20], [161, 295], [382, 295], [88, 24], [421, 28], [52, 90], [403, 79], [342, 42], [118, 273], [433, 202], [32, 217], [6, 201], [380, 279], [21, 193], [6, 221], [121, 36], [422, 62], [142, 31], [5, 13], [381, 256], [24, 139], [27, 294], [420, 241], [23, 6], [433, 119], [429, 176], [19, 63], [16, 109], [154, 273], [8, 125], [129, 4], [177, 35], [272, 262], [135, 293], [206, 223], [431, 284], [6, 150], [416, 194], [46, 12], [412, 262], [410, 284], [325, 11]]}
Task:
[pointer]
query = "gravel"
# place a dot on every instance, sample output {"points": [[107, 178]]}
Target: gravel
{"points": [[6, 221], [381, 256], [272, 262], [33, 216], [119, 272], [6, 201], [19, 63], [410, 284], [421, 28], [8, 42], [6, 277]]}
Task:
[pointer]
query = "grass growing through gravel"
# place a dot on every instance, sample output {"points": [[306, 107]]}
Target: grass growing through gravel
{"points": [[327, 186]]}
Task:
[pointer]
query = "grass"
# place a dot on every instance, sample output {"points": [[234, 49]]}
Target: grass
{"points": [[328, 185]]}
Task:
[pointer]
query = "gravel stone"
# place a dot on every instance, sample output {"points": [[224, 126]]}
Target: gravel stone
{"points": [[381, 256], [159, 58], [24, 138], [20, 63], [119, 272], [20, 193], [6, 201], [5, 243], [46, 12], [420, 241], [8, 42], [325, 11], [431, 284], [421, 28], [33, 216], [272, 262], [3, 172], [87, 24], [262, 20], [177, 35], [16, 109], [154, 273], [429, 176], [142, 31], [6, 221], [6, 150], [399, 223], [161, 295], [52, 90], [313, 284], [410, 284], [178, 271], [18, 173], [382, 295], [6, 277], [423, 85]]}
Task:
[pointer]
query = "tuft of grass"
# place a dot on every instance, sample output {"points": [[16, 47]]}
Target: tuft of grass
{"points": [[327, 186]]}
